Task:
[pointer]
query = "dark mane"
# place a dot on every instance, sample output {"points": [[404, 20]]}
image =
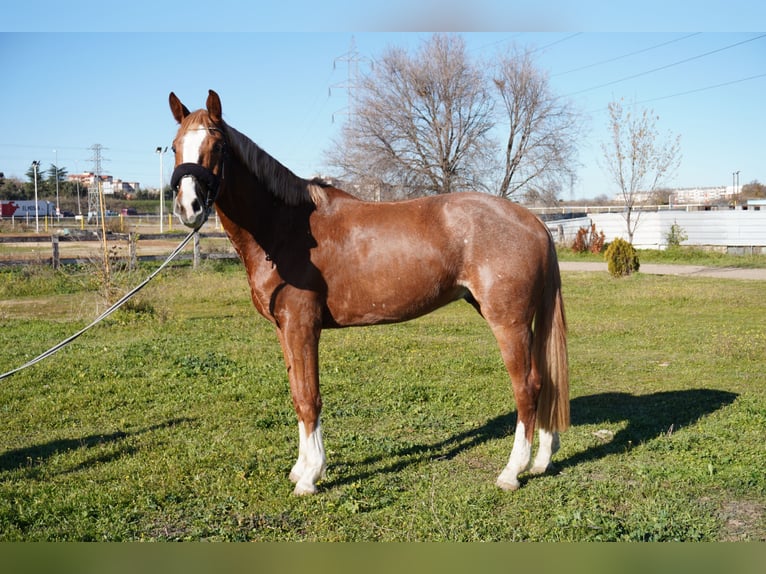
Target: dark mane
{"points": [[280, 180]]}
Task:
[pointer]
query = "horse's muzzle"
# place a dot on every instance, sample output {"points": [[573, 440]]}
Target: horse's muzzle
{"points": [[196, 188], [189, 205]]}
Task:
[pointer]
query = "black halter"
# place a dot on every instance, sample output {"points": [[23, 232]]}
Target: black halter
{"points": [[203, 175]]}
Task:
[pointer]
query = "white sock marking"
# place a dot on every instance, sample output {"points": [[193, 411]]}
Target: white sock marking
{"points": [[310, 466], [518, 461], [549, 444]]}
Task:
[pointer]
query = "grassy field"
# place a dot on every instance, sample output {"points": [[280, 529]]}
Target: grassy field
{"points": [[173, 420]]}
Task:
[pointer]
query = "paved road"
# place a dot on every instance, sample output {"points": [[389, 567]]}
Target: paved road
{"points": [[665, 269]]}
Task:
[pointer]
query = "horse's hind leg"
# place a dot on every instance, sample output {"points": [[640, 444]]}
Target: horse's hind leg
{"points": [[549, 444], [515, 347]]}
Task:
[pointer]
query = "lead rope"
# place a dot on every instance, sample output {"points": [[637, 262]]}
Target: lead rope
{"points": [[109, 311]]}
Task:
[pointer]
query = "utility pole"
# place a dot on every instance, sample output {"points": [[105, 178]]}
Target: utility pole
{"points": [[96, 198], [94, 190], [35, 165], [58, 210], [161, 153], [351, 60]]}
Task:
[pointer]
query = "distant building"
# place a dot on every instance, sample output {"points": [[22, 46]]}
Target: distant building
{"points": [[686, 195], [109, 185], [126, 187], [85, 178], [701, 195]]}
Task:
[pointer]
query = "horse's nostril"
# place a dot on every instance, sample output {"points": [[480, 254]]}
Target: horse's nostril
{"points": [[196, 206]]}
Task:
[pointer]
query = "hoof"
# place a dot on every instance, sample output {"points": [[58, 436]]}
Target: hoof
{"points": [[304, 484], [551, 469], [304, 490], [508, 486]]}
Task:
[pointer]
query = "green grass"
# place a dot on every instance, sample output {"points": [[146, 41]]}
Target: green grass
{"points": [[173, 420]]}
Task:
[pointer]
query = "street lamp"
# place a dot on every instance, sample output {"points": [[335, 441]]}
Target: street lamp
{"points": [[161, 152], [35, 165], [58, 211], [77, 182]]}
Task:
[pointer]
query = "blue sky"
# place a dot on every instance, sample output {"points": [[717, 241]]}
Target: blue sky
{"points": [[284, 88]]}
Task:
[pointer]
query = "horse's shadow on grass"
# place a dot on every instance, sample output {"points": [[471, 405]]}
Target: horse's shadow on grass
{"points": [[31, 458], [647, 416]]}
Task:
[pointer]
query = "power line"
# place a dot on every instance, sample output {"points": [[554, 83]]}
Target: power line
{"points": [[559, 41], [623, 56], [483, 47], [721, 85], [666, 66], [695, 90], [531, 51]]}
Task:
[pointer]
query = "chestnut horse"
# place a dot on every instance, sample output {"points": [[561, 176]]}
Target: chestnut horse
{"points": [[317, 257]]}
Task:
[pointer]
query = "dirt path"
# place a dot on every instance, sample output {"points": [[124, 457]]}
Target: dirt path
{"points": [[667, 269]]}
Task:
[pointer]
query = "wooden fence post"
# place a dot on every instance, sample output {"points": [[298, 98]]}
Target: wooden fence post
{"points": [[132, 249], [55, 244]]}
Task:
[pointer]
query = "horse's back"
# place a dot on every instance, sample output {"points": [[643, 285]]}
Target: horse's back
{"points": [[496, 231], [469, 215], [493, 215]]}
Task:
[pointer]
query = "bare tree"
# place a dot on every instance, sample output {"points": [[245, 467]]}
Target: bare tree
{"points": [[546, 194], [636, 159], [420, 123], [540, 150]]}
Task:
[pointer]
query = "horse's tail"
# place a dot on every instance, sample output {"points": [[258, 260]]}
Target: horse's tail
{"points": [[550, 351]]}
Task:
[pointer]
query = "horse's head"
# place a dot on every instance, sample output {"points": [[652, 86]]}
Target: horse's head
{"points": [[200, 150]]}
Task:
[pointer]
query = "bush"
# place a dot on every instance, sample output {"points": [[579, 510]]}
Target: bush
{"points": [[588, 240], [676, 236], [622, 258]]}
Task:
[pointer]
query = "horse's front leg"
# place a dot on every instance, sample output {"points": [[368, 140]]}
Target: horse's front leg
{"points": [[300, 343]]}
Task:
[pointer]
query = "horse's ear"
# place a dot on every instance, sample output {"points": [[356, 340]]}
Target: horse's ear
{"points": [[179, 110], [214, 106]]}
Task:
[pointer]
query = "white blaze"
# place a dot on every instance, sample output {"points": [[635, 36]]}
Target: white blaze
{"points": [[190, 153], [192, 144]]}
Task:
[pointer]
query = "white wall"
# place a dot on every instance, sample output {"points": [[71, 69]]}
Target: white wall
{"points": [[732, 228]]}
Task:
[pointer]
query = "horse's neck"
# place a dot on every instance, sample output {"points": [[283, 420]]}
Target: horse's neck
{"points": [[250, 214]]}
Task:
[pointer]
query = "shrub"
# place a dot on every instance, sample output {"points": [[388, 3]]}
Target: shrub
{"points": [[588, 240], [676, 236], [622, 258]]}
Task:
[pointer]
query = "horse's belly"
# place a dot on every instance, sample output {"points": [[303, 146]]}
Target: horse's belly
{"points": [[390, 301]]}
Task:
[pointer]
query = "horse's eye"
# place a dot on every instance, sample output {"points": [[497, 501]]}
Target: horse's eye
{"points": [[173, 149]]}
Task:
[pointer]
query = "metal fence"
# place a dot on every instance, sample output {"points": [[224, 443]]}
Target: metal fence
{"points": [[736, 231]]}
